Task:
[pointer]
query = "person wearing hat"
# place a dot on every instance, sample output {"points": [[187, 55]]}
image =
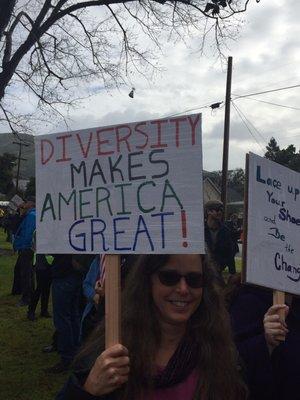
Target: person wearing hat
{"points": [[23, 244], [218, 237]]}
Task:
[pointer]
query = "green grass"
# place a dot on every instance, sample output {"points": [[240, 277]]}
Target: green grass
{"points": [[22, 363], [238, 264]]}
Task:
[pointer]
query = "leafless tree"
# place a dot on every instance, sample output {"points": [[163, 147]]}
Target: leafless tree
{"points": [[49, 47]]}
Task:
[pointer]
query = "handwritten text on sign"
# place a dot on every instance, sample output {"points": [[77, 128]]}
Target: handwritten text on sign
{"points": [[273, 245], [126, 188]]}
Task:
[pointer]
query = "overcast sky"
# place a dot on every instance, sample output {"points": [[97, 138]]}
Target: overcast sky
{"points": [[266, 56]]}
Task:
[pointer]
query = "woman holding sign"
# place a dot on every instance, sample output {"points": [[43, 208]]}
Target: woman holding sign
{"points": [[176, 339]]}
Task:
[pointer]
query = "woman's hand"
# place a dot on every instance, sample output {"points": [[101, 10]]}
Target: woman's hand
{"points": [[275, 328], [109, 372]]}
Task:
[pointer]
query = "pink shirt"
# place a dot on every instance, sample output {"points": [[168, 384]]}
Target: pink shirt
{"points": [[184, 390]]}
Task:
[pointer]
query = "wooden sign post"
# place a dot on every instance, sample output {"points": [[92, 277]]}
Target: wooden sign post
{"points": [[279, 298], [112, 300]]}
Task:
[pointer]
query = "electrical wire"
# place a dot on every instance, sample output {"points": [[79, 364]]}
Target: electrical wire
{"points": [[246, 124], [273, 104], [266, 91], [208, 105], [264, 140], [188, 110]]}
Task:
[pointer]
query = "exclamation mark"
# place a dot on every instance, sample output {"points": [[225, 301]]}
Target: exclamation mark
{"points": [[183, 225]]}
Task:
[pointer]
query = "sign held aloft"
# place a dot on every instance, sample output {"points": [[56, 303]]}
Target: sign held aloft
{"points": [[130, 188], [273, 226]]}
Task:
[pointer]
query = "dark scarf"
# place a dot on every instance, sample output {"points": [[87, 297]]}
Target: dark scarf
{"points": [[180, 365]]}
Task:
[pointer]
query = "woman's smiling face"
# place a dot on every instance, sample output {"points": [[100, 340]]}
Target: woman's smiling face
{"points": [[177, 303]]}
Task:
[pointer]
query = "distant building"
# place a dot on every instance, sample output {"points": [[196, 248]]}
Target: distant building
{"points": [[22, 184], [210, 191]]}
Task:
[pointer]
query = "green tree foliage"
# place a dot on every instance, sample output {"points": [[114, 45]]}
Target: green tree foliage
{"points": [[7, 163], [288, 157], [235, 180]]}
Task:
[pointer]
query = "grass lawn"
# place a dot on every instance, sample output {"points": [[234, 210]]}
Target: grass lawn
{"points": [[22, 363], [238, 264]]}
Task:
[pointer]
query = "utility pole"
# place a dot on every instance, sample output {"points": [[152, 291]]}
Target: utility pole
{"points": [[20, 144], [226, 136]]}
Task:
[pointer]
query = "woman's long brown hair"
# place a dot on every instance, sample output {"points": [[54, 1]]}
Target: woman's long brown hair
{"points": [[209, 326]]}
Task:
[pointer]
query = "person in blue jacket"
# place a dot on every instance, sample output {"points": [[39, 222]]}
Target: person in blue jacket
{"points": [[95, 294], [89, 319], [23, 244]]}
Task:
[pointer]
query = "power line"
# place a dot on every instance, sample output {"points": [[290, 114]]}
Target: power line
{"points": [[267, 91], [20, 144], [245, 123], [273, 104], [189, 110], [249, 122], [208, 105]]}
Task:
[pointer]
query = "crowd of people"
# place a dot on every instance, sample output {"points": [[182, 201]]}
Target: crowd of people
{"points": [[187, 333]]}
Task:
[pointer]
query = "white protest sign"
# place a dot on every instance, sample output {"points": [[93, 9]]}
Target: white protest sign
{"points": [[15, 202], [130, 188], [273, 235]]}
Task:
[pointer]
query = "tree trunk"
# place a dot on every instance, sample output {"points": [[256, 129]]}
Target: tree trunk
{"points": [[6, 9], [10, 67], [5, 77]]}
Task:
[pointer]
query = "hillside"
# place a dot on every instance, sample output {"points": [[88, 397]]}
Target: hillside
{"points": [[27, 168]]}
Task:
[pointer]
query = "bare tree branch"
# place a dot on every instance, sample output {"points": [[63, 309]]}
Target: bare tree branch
{"points": [[6, 11], [49, 47]]}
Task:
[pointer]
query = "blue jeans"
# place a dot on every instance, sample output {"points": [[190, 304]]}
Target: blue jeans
{"points": [[66, 314]]}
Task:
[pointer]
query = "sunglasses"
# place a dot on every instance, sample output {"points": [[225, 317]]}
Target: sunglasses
{"points": [[169, 277]]}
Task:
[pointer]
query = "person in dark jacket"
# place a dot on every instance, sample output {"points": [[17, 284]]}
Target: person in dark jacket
{"points": [[176, 339], [247, 311], [259, 336], [67, 275], [235, 229], [218, 237], [42, 268], [13, 223], [23, 244], [286, 357]]}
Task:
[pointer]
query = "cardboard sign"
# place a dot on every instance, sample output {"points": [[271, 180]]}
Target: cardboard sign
{"points": [[131, 188], [15, 202], [273, 233]]}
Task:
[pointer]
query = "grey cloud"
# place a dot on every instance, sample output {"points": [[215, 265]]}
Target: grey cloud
{"points": [[238, 132], [111, 118]]}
